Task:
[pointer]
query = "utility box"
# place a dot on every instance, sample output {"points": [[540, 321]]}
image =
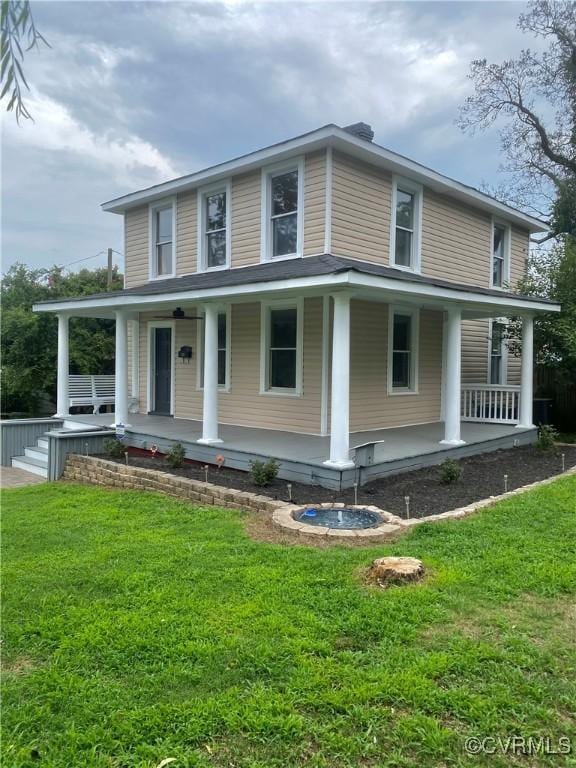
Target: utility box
{"points": [[364, 456]]}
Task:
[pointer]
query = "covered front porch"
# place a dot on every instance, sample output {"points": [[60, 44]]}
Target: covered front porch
{"points": [[302, 457]]}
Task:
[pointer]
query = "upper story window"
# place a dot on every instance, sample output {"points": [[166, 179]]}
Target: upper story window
{"points": [[405, 236], [500, 258], [282, 199], [162, 235], [214, 228], [402, 351], [282, 348]]}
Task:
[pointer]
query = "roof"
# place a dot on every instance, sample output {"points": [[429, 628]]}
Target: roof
{"points": [[329, 136], [289, 269]]}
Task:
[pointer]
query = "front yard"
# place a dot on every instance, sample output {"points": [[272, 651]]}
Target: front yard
{"points": [[138, 628]]}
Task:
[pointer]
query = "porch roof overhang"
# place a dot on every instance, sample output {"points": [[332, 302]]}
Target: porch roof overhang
{"points": [[312, 275]]}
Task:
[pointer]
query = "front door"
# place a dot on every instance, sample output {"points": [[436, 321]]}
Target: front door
{"points": [[162, 370]]}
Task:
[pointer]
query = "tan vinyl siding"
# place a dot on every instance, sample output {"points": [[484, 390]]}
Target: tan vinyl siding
{"points": [[136, 239], [186, 233], [370, 405], [475, 354], [519, 247], [246, 196], [361, 198], [456, 241], [314, 202]]}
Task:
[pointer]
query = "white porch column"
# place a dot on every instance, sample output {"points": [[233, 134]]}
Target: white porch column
{"points": [[452, 376], [210, 401], [340, 399], [526, 387], [62, 397], [121, 369]]}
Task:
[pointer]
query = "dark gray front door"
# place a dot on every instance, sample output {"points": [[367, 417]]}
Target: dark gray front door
{"points": [[162, 370]]}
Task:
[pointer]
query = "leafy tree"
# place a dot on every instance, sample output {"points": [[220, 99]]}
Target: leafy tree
{"points": [[17, 29], [29, 339], [533, 100]]}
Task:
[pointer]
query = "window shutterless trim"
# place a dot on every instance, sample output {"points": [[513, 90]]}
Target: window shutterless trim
{"points": [[414, 314], [225, 309], [407, 185], [201, 249], [153, 208], [506, 251], [266, 229], [265, 308], [503, 321]]}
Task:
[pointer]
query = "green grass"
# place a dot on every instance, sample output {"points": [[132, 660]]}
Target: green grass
{"points": [[138, 628]]}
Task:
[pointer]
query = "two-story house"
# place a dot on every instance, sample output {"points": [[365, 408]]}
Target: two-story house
{"points": [[313, 296]]}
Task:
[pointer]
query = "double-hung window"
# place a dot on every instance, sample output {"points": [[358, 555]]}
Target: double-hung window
{"points": [[214, 228], [497, 356], [223, 352], [282, 347], [403, 351], [500, 241], [282, 193], [162, 239], [405, 230]]}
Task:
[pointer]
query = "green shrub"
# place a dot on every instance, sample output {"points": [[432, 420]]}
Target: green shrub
{"points": [[449, 472], [175, 456], [114, 448], [263, 473], [547, 436]]}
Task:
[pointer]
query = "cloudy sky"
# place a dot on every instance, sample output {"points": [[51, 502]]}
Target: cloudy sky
{"points": [[131, 94]]}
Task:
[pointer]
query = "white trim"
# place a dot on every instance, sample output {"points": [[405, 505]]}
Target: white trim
{"points": [[444, 366], [152, 210], [265, 307], [151, 325], [203, 192], [268, 172], [396, 286], [328, 201], [414, 313], [226, 309], [398, 182], [330, 135], [507, 254], [135, 368], [325, 382], [504, 354]]}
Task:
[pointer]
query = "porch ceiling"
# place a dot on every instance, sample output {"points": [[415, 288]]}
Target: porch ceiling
{"points": [[312, 275]]}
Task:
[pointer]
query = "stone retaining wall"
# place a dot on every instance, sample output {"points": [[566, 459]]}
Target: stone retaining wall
{"points": [[89, 469]]}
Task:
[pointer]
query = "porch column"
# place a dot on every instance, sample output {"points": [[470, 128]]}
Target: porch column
{"points": [[340, 381], [62, 396], [121, 370], [452, 376], [210, 400], [526, 386]]}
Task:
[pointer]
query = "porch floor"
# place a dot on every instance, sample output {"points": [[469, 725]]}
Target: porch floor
{"points": [[399, 442]]}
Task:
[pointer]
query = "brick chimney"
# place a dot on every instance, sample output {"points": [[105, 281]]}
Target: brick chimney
{"points": [[360, 130]]}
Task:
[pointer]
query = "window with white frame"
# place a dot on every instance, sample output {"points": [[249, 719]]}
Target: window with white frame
{"points": [[405, 230], [282, 347], [497, 353], [223, 352], [214, 228], [282, 212], [162, 236], [500, 241], [403, 350]]}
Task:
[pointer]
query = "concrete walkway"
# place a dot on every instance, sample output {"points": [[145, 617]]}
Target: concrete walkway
{"points": [[12, 477]]}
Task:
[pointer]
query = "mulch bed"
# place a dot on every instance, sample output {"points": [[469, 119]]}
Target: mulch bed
{"points": [[482, 476]]}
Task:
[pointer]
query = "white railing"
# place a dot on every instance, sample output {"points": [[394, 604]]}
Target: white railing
{"points": [[490, 403]]}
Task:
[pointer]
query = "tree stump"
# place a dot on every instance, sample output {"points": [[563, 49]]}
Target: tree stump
{"points": [[395, 570]]}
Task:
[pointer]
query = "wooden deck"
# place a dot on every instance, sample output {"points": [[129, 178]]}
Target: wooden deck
{"points": [[301, 457]]}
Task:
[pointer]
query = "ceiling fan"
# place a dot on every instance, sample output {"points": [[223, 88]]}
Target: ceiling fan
{"points": [[179, 314]]}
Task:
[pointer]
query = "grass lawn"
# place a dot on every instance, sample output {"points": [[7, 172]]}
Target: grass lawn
{"points": [[138, 628]]}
